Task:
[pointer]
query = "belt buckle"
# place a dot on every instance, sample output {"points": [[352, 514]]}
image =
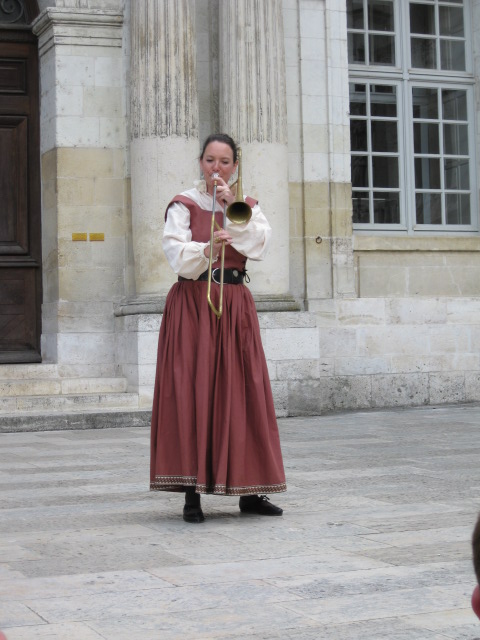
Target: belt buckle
{"points": [[213, 275]]}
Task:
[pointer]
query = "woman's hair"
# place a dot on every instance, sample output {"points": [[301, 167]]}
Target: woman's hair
{"points": [[220, 137], [476, 549]]}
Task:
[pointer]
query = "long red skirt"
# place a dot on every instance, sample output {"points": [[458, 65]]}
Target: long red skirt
{"points": [[213, 419]]}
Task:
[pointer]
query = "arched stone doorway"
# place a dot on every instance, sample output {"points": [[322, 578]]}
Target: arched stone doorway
{"points": [[20, 212]]}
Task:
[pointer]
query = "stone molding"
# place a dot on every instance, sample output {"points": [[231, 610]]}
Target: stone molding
{"points": [[425, 243], [78, 27], [82, 4]]}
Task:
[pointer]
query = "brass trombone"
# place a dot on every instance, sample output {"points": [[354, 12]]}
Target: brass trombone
{"points": [[238, 212]]}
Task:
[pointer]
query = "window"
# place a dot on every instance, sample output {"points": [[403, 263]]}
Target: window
{"points": [[375, 153], [371, 36], [411, 116]]}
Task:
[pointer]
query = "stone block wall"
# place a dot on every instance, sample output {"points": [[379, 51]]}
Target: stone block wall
{"points": [[90, 200], [391, 352], [136, 353], [85, 195], [319, 158], [349, 354], [404, 267]]}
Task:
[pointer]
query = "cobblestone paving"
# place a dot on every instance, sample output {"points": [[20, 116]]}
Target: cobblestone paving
{"points": [[374, 542]]}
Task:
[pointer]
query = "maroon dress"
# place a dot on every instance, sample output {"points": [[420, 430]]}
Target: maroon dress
{"points": [[213, 418]]}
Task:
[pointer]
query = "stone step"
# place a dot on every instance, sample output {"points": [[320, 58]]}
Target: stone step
{"points": [[60, 386], [67, 402], [28, 371], [38, 397], [94, 385], [55, 371], [61, 421]]}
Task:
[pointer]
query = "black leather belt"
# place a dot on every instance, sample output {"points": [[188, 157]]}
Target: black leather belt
{"points": [[230, 276]]}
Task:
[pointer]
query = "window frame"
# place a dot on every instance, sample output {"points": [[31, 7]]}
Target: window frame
{"points": [[401, 225], [473, 226], [405, 78], [359, 65]]}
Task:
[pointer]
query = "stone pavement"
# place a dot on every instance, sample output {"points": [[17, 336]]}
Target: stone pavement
{"points": [[374, 543]]}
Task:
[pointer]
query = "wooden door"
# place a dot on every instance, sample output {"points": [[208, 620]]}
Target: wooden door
{"points": [[20, 225]]}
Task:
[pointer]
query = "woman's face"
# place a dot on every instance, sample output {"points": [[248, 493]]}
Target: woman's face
{"points": [[218, 158]]}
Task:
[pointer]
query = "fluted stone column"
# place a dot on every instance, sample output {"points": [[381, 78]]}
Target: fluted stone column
{"points": [[253, 111], [164, 127]]}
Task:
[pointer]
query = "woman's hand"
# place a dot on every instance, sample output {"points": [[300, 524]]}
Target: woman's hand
{"points": [[218, 237], [224, 193], [222, 236]]}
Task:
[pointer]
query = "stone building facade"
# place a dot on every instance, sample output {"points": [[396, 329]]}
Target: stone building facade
{"points": [[358, 125]]}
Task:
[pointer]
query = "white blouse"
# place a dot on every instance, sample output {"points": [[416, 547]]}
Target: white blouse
{"points": [[187, 258]]}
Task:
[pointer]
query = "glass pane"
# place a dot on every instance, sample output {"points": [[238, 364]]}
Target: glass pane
{"points": [[457, 208], [360, 171], [426, 138], [383, 101], [386, 207], [385, 171], [454, 104], [427, 173], [380, 15], [355, 14], [361, 206], [382, 49], [384, 136], [356, 47], [455, 139], [422, 18], [452, 55], [358, 135], [425, 103], [358, 99], [457, 174], [451, 21], [424, 55], [428, 208]]}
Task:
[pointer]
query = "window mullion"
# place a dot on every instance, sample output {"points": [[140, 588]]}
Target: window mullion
{"points": [[442, 155], [407, 164], [408, 158], [369, 154]]}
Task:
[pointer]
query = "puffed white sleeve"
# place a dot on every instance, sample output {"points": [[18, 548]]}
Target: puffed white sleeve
{"points": [[185, 256], [251, 238]]}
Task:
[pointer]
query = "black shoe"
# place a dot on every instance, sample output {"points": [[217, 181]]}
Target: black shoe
{"points": [[260, 505], [192, 511], [193, 514]]}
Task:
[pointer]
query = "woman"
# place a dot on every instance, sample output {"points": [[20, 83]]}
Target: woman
{"points": [[213, 422]]}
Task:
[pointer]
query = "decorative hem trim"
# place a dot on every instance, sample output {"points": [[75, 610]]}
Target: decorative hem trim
{"points": [[177, 483]]}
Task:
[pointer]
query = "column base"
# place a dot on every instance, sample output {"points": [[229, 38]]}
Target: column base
{"points": [[145, 305]]}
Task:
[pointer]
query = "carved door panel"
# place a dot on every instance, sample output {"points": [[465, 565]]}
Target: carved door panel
{"points": [[20, 231]]}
